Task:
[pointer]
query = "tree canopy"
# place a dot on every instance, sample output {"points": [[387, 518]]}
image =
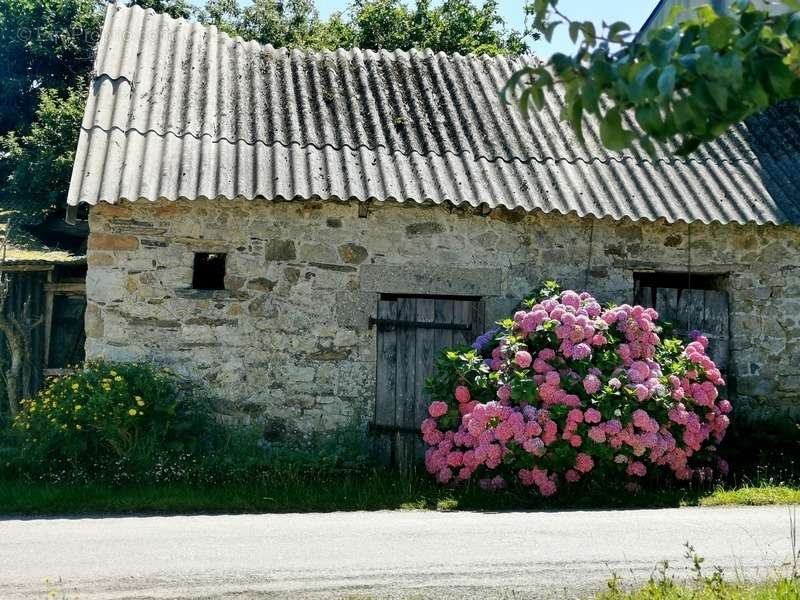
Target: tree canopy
{"points": [[684, 84], [46, 53], [450, 26]]}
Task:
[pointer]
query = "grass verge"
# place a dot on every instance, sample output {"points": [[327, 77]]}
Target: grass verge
{"points": [[377, 490], [783, 589], [753, 495]]}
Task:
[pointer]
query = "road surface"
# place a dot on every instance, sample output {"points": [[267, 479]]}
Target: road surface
{"points": [[399, 555]]}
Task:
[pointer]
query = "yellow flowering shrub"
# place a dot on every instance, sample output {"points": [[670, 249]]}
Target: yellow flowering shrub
{"points": [[103, 413]]}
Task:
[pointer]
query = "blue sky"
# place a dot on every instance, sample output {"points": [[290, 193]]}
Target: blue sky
{"points": [[633, 12]]}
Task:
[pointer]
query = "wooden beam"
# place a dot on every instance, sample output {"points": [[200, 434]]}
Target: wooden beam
{"points": [[27, 268], [48, 318], [77, 288]]}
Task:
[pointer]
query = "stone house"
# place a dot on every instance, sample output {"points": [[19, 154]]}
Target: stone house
{"points": [[302, 231]]}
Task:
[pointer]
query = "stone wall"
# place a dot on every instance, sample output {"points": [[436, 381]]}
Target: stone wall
{"points": [[288, 339]]}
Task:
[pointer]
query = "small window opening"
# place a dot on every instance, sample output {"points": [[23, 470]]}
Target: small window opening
{"points": [[209, 271]]}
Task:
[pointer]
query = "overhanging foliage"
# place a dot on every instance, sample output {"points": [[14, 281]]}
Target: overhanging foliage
{"points": [[684, 84]]}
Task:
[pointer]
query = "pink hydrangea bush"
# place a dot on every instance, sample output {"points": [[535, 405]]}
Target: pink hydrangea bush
{"points": [[568, 391]]}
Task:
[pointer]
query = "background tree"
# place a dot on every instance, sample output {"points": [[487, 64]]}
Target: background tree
{"points": [[683, 84], [47, 49], [450, 26], [44, 45]]}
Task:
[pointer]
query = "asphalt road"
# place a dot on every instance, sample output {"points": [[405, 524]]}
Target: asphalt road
{"points": [[379, 555]]}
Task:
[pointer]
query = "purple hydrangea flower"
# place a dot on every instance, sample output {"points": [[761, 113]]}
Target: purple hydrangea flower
{"points": [[485, 340]]}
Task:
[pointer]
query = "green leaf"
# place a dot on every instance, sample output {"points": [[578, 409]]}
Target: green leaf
{"points": [[672, 17], [574, 30], [573, 110], [514, 82], [705, 59], [638, 90], [549, 29], [589, 33], [794, 27], [591, 95], [649, 118], [689, 145], [662, 50], [684, 115], [612, 133], [720, 31], [719, 93], [780, 76], [748, 40], [666, 81], [647, 146], [616, 31]]}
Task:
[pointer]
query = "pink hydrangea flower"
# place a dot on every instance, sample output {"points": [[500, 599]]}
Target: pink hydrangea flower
{"points": [[504, 393], [523, 359], [444, 475], [462, 394], [637, 469], [438, 409], [548, 488], [591, 384], [592, 415], [571, 299], [597, 435], [584, 462], [581, 351]]}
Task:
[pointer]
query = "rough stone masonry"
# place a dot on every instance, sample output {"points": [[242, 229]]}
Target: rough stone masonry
{"points": [[288, 338]]}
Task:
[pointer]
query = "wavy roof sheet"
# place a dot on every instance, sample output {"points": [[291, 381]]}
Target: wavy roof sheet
{"points": [[179, 110]]}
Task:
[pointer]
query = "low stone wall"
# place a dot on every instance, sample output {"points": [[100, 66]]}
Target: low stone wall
{"points": [[288, 339]]}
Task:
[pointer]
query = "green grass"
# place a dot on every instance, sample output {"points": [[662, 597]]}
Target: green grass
{"points": [[376, 490], [753, 495], [783, 589]]}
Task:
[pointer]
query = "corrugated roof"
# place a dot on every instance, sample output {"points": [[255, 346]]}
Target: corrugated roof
{"points": [[178, 110]]}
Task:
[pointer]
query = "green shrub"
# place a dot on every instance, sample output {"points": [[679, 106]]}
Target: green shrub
{"points": [[129, 424], [106, 416]]}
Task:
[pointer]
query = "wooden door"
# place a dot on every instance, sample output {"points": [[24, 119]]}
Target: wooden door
{"points": [[412, 331]]}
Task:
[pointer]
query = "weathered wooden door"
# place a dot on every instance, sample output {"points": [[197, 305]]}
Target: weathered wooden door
{"points": [[411, 333], [705, 310]]}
